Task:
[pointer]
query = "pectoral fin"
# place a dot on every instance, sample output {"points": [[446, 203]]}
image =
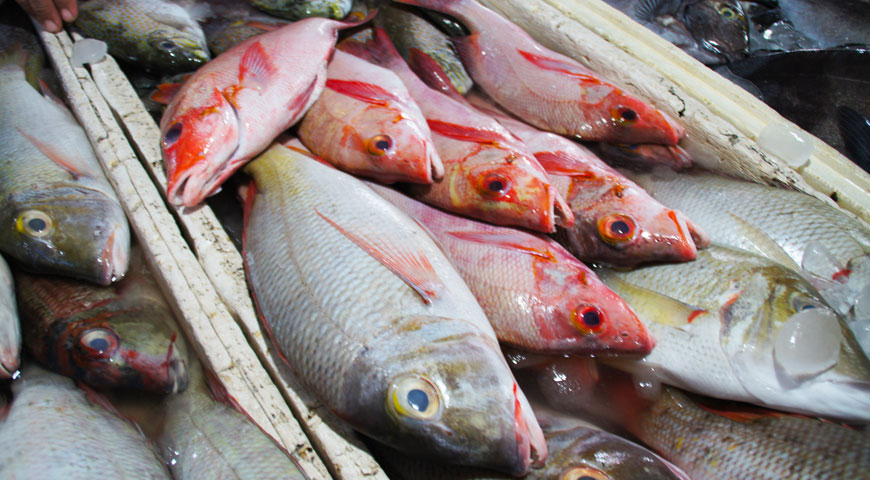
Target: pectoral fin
{"points": [[515, 242], [651, 306]]}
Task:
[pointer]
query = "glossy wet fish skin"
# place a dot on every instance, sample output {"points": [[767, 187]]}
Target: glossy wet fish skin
{"points": [[204, 439], [376, 334], [556, 93], [299, 9], [417, 40], [123, 336], [84, 439], [362, 107], [10, 327], [535, 294], [153, 34], [716, 321], [63, 216]]}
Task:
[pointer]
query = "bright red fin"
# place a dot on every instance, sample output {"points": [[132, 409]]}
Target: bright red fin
{"points": [[255, 68], [560, 66], [516, 242], [53, 155], [364, 92], [431, 72], [562, 163], [411, 266], [464, 133], [165, 93]]}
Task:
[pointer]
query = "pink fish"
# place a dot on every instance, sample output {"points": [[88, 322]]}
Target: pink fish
{"points": [[235, 105], [366, 123], [489, 174], [537, 296], [547, 89], [616, 221]]}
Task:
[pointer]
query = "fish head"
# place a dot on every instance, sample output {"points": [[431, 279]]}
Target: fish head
{"points": [[199, 135], [434, 388], [618, 223], [630, 120], [586, 316], [174, 50], [720, 27], [68, 230]]}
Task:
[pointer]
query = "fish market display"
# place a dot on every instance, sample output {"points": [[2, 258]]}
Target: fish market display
{"points": [[489, 174], [737, 326], [122, 336], [365, 122], [55, 430], [535, 294], [62, 216], [615, 221], [155, 34], [10, 329], [547, 89], [420, 43], [717, 440], [205, 439], [371, 317], [712, 31], [234, 106], [297, 9]]}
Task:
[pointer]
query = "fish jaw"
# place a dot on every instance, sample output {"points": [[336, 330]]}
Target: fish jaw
{"points": [[9, 361], [116, 256]]}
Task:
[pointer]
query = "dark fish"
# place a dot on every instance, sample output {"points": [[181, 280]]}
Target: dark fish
{"points": [[712, 31], [855, 129], [826, 24]]}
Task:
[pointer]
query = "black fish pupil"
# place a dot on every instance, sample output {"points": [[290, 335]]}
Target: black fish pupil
{"points": [[418, 400], [629, 114], [172, 134], [496, 186], [591, 318], [382, 144], [100, 344], [167, 45], [620, 228], [37, 224]]}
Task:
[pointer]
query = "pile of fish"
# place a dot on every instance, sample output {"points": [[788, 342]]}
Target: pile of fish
{"points": [[416, 202]]}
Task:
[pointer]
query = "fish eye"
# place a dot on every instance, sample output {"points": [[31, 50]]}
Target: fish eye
{"points": [[624, 116], [35, 223], [414, 397], [98, 343], [587, 319], [727, 12], [616, 228], [172, 135], [379, 145], [168, 45], [801, 302], [584, 473], [495, 185]]}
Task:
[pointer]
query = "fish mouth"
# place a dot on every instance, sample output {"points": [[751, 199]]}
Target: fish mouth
{"points": [[531, 444], [115, 256], [685, 248], [190, 188], [673, 131], [9, 363], [562, 214]]}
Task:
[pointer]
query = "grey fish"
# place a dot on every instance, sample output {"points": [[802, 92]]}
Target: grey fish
{"points": [[10, 327], [298, 9], [56, 431], [204, 438], [62, 214]]}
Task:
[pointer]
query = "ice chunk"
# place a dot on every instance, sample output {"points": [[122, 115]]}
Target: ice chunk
{"points": [[818, 260], [808, 344], [88, 50], [788, 144]]}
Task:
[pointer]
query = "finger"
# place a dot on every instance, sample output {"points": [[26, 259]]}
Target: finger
{"points": [[44, 12], [68, 9]]}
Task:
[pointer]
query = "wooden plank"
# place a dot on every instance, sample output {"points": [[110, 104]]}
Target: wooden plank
{"points": [[344, 454], [209, 325]]}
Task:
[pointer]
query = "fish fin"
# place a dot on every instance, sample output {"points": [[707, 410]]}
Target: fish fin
{"points": [[99, 399], [562, 163], [255, 69], [411, 266], [465, 133], [266, 27], [648, 10], [855, 130], [303, 99], [762, 242], [436, 240], [649, 305], [364, 92], [511, 240], [165, 93], [740, 414], [47, 93], [431, 72], [55, 156], [561, 66], [297, 146], [219, 391]]}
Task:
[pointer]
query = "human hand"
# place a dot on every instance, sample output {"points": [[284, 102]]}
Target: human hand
{"points": [[51, 13]]}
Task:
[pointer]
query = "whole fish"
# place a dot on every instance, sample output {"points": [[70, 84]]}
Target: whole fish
{"points": [[55, 430], [737, 326], [62, 216], [712, 31], [719, 440], [233, 107], [298, 9], [615, 221], [10, 327], [366, 123], [421, 44], [488, 173], [204, 437], [153, 34], [122, 336], [536, 295], [547, 89], [371, 317]]}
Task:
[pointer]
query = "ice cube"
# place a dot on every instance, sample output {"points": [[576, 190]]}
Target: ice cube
{"points": [[808, 343]]}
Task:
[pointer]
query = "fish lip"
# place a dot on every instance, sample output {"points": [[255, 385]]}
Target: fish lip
{"points": [[9, 363], [115, 256]]}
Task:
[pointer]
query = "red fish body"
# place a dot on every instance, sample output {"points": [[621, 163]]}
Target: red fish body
{"points": [[366, 123], [235, 105], [547, 89]]}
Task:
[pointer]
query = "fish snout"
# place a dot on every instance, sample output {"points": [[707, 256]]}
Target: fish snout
{"points": [[115, 257]]}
